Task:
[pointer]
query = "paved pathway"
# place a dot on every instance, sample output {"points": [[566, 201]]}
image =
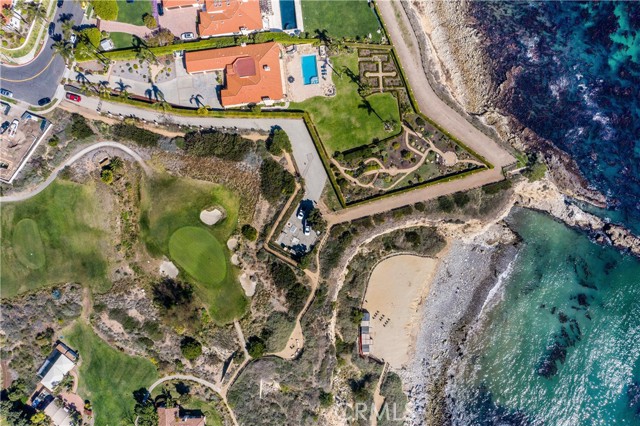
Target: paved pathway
{"points": [[213, 386], [38, 189], [241, 338], [407, 48], [121, 27]]}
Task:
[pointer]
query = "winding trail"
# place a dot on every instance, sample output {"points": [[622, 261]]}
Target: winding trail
{"points": [[25, 195]]}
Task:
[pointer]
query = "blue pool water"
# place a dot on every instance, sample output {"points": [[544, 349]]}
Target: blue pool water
{"points": [[288, 15], [309, 69]]}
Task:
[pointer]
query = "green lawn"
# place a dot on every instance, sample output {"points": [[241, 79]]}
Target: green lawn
{"points": [[170, 204], [352, 19], [121, 40], [132, 13], [55, 237], [208, 408], [342, 121], [108, 377]]}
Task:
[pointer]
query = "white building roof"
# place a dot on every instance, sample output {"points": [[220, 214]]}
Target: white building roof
{"points": [[54, 370]]}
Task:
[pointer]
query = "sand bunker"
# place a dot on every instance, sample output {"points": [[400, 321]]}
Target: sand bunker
{"points": [[168, 269], [211, 217], [232, 243], [235, 260], [397, 288], [248, 284]]}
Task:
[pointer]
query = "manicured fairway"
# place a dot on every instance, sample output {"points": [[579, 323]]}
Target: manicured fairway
{"points": [[108, 377], [342, 121], [199, 253], [58, 236], [27, 244]]}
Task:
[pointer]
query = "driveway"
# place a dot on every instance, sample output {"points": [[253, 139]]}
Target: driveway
{"points": [[179, 21], [40, 78]]}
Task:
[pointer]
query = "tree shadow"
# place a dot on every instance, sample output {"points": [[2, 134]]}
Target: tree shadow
{"points": [[122, 86], [81, 78], [64, 17], [197, 99]]}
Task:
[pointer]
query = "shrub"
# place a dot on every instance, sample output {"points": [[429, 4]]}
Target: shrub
{"points": [[461, 199], [169, 293], [79, 127], [249, 232], [494, 188], [275, 181], [54, 140], [106, 9], [255, 347], [445, 204], [326, 399], [285, 280], [140, 136], [106, 176], [191, 348], [228, 146], [316, 221], [149, 21], [90, 35], [179, 141], [278, 141]]}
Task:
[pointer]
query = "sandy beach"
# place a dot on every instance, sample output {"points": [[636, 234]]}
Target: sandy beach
{"points": [[397, 289]]}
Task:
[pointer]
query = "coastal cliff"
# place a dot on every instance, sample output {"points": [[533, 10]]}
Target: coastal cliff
{"points": [[460, 71]]}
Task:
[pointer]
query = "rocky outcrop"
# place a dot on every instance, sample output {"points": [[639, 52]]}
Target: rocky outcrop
{"points": [[460, 72]]}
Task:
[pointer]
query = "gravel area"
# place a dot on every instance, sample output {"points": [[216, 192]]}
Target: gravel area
{"points": [[461, 285]]}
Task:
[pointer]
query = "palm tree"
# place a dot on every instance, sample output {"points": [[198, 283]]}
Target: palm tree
{"points": [[145, 55], [36, 11], [64, 49], [67, 28], [365, 104], [103, 88]]}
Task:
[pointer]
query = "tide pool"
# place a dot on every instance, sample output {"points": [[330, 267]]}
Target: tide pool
{"points": [[561, 344]]}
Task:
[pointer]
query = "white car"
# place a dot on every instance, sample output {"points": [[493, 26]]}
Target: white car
{"points": [[300, 214], [73, 39], [13, 128], [187, 36], [307, 229]]}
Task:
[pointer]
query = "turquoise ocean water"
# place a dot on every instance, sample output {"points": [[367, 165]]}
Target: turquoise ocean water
{"points": [[560, 344]]}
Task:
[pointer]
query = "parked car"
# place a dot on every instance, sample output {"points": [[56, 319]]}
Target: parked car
{"points": [[187, 36], [14, 128], [73, 97], [73, 38], [52, 29], [4, 127], [44, 101], [160, 9], [300, 214], [307, 229], [7, 93]]}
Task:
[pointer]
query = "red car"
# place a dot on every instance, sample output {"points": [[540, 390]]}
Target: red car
{"points": [[73, 97]]}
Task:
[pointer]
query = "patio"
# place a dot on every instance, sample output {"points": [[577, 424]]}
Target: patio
{"points": [[295, 88]]}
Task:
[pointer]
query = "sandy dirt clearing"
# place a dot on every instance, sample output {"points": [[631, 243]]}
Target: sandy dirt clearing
{"points": [[397, 288]]}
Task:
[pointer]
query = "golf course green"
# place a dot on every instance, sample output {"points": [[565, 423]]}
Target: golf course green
{"points": [[199, 253]]}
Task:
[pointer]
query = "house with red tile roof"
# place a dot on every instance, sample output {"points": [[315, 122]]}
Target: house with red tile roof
{"points": [[252, 73], [173, 417], [176, 4], [225, 17]]}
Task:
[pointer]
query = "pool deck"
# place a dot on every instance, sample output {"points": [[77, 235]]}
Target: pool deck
{"points": [[298, 91], [274, 21]]}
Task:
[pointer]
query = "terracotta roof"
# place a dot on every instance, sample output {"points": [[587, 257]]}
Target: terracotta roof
{"points": [[170, 4], [252, 72], [221, 17], [170, 417]]}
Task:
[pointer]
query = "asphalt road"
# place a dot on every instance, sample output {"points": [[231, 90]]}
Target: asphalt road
{"points": [[39, 78]]}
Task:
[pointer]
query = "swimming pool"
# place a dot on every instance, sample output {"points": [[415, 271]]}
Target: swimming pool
{"points": [[309, 69], [288, 14]]}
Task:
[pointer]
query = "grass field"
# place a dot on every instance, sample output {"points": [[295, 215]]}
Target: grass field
{"points": [[342, 121], [108, 377], [352, 19], [170, 204], [121, 40], [54, 237], [131, 13]]}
